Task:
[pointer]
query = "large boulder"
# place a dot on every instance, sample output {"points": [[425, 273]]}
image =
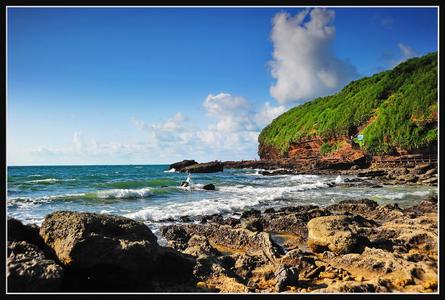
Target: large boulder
{"points": [[113, 252], [210, 167], [338, 233], [29, 270], [182, 164]]}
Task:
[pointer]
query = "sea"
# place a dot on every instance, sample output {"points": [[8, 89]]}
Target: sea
{"points": [[153, 193]]}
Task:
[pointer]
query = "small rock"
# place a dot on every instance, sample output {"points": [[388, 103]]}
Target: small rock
{"points": [[209, 187], [328, 275], [285, 276]]}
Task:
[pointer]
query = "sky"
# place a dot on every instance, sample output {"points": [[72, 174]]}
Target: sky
{"points": [[158, 85]]}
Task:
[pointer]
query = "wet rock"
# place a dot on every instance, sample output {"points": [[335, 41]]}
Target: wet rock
{"points": [[250, 213], [185, 219], [372, 173], [285, 276], [178, 166], [231, 222], [278, 172], [177, 236], [29, 270], [215, 218], [269, 210], [362, 206], [209, 167], [253, 225], [338, 234], [209, 187]]}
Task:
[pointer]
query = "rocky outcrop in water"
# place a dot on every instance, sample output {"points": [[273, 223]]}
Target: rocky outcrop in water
{"points": [[210, 167], [191, 166], [182, 164]]}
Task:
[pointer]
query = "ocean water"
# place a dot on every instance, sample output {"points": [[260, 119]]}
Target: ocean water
{"points": [[151, 193]]}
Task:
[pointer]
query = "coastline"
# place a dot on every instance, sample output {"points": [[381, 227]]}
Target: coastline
{"points": [[351, 246], [346, 247]]}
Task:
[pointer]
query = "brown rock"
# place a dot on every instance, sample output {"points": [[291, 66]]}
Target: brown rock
{"points": [[29, 270], [335, 233]]}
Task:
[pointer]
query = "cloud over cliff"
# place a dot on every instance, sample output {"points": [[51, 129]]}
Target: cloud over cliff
{"points": [[304, 64]]}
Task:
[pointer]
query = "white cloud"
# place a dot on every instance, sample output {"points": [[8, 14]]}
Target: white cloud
{"points": [[77, 142], [406, 51], [172, 124], [224, 103], [267, 113], [390, 59], [303, 64], [230, 134]]}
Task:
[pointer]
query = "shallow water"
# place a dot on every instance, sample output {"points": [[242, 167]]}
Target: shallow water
{"points": [[151, 193]]}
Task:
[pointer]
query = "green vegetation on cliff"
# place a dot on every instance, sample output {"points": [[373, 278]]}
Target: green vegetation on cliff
{"points": [[392, 109]]}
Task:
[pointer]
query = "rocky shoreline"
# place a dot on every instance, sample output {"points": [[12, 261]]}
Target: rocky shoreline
{"points": [[351, 246], [393, 173]]}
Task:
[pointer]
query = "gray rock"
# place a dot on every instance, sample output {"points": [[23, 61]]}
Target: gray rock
{"points": [[285, 276]]}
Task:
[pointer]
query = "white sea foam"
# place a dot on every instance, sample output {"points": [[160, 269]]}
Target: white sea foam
{"points": [[172, 170], [339, 180], [402, 195], [26, 201], [231, 199], [48, 180], [124, 193]]}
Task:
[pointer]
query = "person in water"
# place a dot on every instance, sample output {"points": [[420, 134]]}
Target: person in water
{"points": [[187, 182]]}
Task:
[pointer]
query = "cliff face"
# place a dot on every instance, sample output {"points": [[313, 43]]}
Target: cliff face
{"points": [[394, 112]]}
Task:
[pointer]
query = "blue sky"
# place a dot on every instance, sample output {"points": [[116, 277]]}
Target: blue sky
{"points": [[146, 85]]}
